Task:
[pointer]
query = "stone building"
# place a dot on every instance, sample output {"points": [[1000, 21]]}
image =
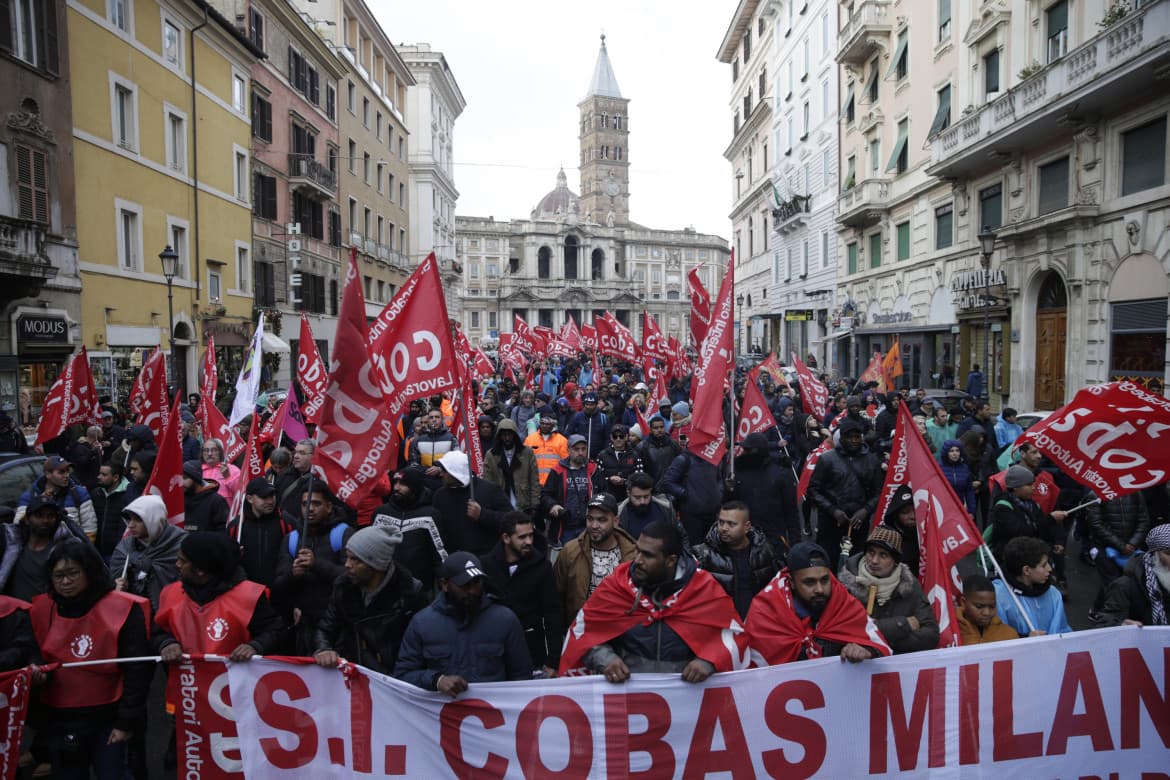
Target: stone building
{"points": [[581, 255]]}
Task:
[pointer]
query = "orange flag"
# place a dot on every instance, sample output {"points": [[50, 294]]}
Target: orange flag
{"points": [[892, 365]]}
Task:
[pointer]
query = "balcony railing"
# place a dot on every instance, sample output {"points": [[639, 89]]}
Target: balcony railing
{"points": [[864, 203], [22, 251], [871, 17], [303, 169], [1088, 75]]}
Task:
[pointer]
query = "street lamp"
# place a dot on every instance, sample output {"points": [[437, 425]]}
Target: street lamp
{"points": [[170, 268], [739, 302], [987, 248]]}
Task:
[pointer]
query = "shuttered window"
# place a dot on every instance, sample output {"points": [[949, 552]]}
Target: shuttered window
{"points": [[32, 184]]}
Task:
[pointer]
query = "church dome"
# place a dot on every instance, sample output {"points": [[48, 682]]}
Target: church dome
{"points": [[561, 200]]}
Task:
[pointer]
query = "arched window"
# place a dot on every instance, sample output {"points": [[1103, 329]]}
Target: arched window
{"points": [[604, 152], [544, 263], [1052, 294], [751, 230], [617, 153], [672, 295], [604, 120], [571, 248], [597, 261], [617, 121]]}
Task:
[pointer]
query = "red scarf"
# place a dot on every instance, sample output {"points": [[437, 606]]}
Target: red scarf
{"points": [[779, 635], [702, 614]]}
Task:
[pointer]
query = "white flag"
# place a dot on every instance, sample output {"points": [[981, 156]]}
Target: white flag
{"points": [[248, 383]]}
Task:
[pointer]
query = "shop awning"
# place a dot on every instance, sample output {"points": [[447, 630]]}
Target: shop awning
{"points": [[832, 337], [274, 343]]}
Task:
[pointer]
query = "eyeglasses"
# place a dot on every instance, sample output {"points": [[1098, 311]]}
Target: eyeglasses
{"points": [[70, 575], [620, 436]]}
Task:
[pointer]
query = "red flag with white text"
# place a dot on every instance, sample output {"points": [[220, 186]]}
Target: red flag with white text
{"points": [[166, 478], [716, 359], [772, 366], [613, 338], [754, 415], [814, 396], [138, 391], [311, 373], [208, 383], [15, 687], [217, 427], [810, 463], [569, 333], [356, 436], [588, 338], [700, 318], [153, 405], [1111, 438], [72, 399], [654, 344]]}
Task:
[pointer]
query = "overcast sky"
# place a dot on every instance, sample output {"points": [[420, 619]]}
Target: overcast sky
{"points": [[523, 66]]}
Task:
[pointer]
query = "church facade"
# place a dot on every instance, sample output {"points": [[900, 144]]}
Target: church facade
{"points": [[580, 254]]}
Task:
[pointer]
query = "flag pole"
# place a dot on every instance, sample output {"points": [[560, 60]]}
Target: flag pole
{"points": [[1011, 592]]}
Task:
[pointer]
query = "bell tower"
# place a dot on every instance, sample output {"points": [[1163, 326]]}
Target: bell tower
{"points": [[604, 137]]}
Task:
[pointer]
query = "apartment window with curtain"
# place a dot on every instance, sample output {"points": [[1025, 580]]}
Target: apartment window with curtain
{"points": [[1053, 185], [991, 74], [903, 233], [944, 226], [1056, 29]]}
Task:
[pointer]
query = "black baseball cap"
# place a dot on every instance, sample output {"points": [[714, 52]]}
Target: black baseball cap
{"points": [[261, 487]]}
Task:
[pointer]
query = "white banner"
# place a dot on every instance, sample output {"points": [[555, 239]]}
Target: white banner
{"points": [[1094, 704]]}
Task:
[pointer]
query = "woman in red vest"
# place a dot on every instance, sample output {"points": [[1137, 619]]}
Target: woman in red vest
{"points": [[89, 711]]}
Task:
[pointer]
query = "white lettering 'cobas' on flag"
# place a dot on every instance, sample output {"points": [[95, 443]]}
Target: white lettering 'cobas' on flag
{"points": [[1089, 704]]}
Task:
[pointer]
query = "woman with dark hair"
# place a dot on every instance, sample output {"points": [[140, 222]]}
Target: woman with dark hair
{"points": [[89, 712]]}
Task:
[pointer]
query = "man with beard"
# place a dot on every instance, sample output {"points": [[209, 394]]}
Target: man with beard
{"points": [[737, 555], [657, 613], [805, 613], [658, 449], [548, 446], [520, 572], [591, 424], [26, 547], [591, 557], [768, 490], [58, 485], [1141, 595], [617, 462], [109, 499], [370, 606], [141, 464], [431, 446], [443, 648], [310, 561], [845, 486], [204, 509], [261, 532], [512, 467], [642, 507], [409, 509], [567, 491]]}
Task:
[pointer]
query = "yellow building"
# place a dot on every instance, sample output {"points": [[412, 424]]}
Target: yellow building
{"points": [[161, 132]]}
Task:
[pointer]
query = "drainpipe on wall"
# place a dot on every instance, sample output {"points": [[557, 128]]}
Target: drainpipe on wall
{"points": [[195, 155]]}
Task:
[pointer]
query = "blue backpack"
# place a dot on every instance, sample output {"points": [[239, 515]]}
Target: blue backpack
{"points": [[336, 539]]}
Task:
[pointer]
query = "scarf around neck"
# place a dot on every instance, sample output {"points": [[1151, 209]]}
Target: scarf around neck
{"points": [[885, 585]]}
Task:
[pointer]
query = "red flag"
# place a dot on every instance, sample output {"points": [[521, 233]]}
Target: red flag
{"points": [[711, 376], [206, 737], [772, 366], [311, 373], [254, 462], [411, 339], [892, 365], [154, 362], [72, 399], [814, 396], [524, 338], [755, 416], [700, 305], [357, 434], [654, 344], [14, 701], [466, 432], [613, 338], [153, 404], [558, 348], [166, 478], [1111, 438], [945, 530], [810, 463], [217, 427], [483, 365], [660, 393], [1044, 490], [527, 378], [873, 372], [588, 337], [271, 431], [650, 370], [569, 333], [543, 337], [208, 383]]}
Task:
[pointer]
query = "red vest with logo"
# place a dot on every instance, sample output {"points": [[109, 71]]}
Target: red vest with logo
{"points": [[215, 628], [90, 637]]}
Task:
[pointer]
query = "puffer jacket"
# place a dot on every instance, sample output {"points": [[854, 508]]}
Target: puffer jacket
{"points": [[74, 501], [958, 474], [907, 601], [1119, 522], [714, 557], [846, 482], [658, 454], [14, 538], [311, 591], [522, 476], [370, 634]]}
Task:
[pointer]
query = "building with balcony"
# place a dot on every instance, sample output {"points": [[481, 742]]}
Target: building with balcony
{"points": [[40, 302], [750, 47], [373, 171], [580, 255], [802, 196], [162, 155], [1060, 149], [895, 222]]}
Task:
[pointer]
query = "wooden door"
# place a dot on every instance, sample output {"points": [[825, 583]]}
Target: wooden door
{"points": [[1051, 328]]}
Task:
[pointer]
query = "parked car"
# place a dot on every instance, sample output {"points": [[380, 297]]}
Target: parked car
{"points": [[17, 472], [1027, 419], [950, 399]]}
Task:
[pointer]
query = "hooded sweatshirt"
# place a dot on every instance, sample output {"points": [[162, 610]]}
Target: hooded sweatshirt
{"points": [[148, 566]]}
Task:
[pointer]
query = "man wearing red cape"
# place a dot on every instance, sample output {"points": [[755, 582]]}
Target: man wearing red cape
{"points": [[805, 613], [656, 613]]}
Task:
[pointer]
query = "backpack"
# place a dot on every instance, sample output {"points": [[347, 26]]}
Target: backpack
{"points": [[336, 537]]}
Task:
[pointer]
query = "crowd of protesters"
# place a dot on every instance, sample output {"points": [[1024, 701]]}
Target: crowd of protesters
{"points": [[589, 501]]}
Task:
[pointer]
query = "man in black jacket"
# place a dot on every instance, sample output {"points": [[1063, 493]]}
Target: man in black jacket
{"points": [[738, 555], [520, 572], [408, 508], [693, 485], [371, 604], [109, 499], [768, 489], [845, 485], [260, 533], [658, 449], [204, 509], [617, 462], [466, 523]]}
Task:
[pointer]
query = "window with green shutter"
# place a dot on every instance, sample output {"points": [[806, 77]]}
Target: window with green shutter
{"points": [[851, 253], [875, 250], [904, 240]]}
